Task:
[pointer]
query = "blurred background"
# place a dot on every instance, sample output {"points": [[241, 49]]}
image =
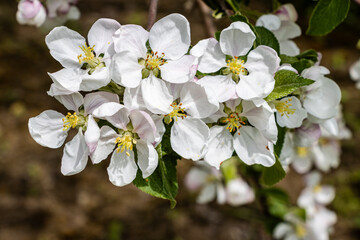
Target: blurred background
{"points": [[38, 203]]}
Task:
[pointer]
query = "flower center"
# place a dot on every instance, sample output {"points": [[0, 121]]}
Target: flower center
{"points": [[302, 151], [233, 122], [177, 112], [317, 188], [70, 121], [284, 107], [300, 231], [236, 66], [89, 59], [154, 61], [125, 142]]}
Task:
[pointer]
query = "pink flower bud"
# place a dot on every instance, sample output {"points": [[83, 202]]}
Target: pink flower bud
{"points": [[287, 12], [31, 12]]}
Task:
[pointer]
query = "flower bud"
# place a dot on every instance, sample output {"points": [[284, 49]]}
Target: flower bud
{"points": [[31, 12], [287, 12]]}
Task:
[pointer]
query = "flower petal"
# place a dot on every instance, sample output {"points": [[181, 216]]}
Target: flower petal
{"points": [[131, 38], [143, 125], [289, 48], [105, 144], [69, 79], [255, 85], [72, 101], [122, 169], [147, 157], [222, 86], [263, 59], [269, 21], [92, 134], [99, 78], [207, 194], [96, 99], [239, 192], [178, 71]]}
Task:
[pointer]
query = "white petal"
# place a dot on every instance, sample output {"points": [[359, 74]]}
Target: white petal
{"points": [[143, 125], [188, 138], [115, 113], [281, 230], [207, 194], [220, 146], [269, 21], [147, 157], [196, 178], [75, 155], [105, 144], [257, 116], [64, 45], [196, 101], [255, 85], [156, 95], [223, 86], [68, 79], [262, 59], [326, 195], [293, 120], [56, 90], [289, 48], [122, 169], [302, 164], [47, 129], [133, 98], [229, 39], [171, 36], [99, 78], [100, 35], [92, 134], [126, 70], [178, 71], [239, 192], [96, 99], [221, 193], [72, 101], [355, 71], [287, 30], [211, 58], [131, 38], [253, 148]]}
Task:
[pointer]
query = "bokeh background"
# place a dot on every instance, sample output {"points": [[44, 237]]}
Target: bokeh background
{"points": [[38, 203]]}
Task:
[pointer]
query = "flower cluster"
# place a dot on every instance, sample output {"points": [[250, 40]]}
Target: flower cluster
{"points": [[55, 13]]}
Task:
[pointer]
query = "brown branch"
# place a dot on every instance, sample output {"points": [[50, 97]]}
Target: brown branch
{"points": [[207, 18], [152, 13]]}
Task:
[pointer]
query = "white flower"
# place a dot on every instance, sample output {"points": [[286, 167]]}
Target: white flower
{"points": [[50, 129], [31, 12], [320, 225], [287, 12], [86, 67], [59, 11], [289, 112], [250, 80], [284, 30], [238, 192], [293, 228], [250, 143], [209, 180], [355, 73]]}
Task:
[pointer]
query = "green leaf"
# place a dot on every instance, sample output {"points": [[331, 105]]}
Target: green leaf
{"points": [[229, 168], [286, 82], [280, 141], [217, 35], [278, 201], [163, 182], [266, 37], [302, 61], [272, 175], [326, 16]]}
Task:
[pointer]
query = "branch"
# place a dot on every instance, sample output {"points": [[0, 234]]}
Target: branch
{"points": [[152, 13], [206, 14]]}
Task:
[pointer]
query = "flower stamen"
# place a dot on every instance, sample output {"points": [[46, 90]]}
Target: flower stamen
{"points": [[125, 142], [284, 107], [233, 121], [236, 66], [70, 121], [154, 61], [177, 112]]}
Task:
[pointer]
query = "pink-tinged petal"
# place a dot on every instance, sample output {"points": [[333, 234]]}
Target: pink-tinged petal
{"points": [[64, 45], [211, 58], [269, 21], [99, 78], [126, 70], [122, 169], [196, 178], [131, 38], [68, 79], [100, 35], [72, 101], [105, 144], [287, 12], [263, 59], [195, 100], [75, 156], [220, 146], [207, 194], [289, 48], [178, 71], [222, 86], [115, 113], [188, 138], [47, 129], [229, 39], [255, 85], [253, 148], [239, 192], [171, 36], [31, 13], [96, 99], [92, 134], [156, 95], [287, 30], [143, 125], [133, 99], [147, 157]]}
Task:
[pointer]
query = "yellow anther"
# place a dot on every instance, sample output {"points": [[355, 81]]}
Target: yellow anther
{"points": [[317, 188], [236, 66], [284, 107], [234, 122], [177, 112], [302, 151], [300, 231], [70, 121], [153, 60], [89, 53], [126, 142]]}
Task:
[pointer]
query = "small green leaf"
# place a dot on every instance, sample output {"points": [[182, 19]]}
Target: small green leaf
{"points": [[280, 141], [217, 35], [229, 168], [266, 37], [272, 175], [286, 82], [326, 16], [278, 201]]}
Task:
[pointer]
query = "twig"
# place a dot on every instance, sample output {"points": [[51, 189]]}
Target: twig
{"points": [[228, 11], [152, 13], [206, 14]]}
